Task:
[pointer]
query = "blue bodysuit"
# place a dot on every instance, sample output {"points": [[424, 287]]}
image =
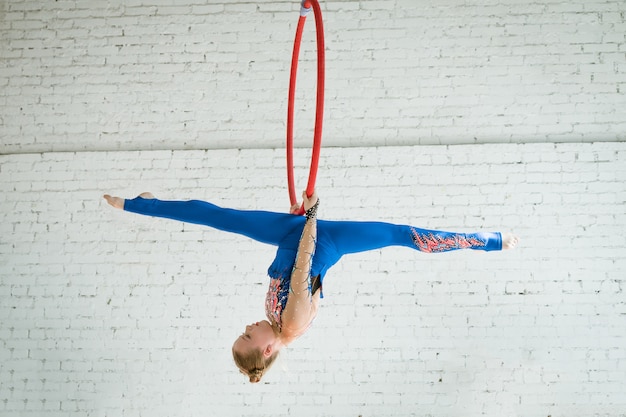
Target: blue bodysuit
{"points": [[334, 238]]}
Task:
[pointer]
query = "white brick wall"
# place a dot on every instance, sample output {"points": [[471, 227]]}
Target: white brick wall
{"points": [[189, 74], [106, 313]]}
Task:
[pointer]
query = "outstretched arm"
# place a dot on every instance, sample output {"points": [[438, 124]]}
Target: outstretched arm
{"points": [[299, 308]]}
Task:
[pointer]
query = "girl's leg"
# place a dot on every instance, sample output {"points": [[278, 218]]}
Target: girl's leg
{"points": [[352, 237], [263, 226]]}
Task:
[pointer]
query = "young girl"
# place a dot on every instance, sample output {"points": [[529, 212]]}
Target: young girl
{"points": [[307, 248]]}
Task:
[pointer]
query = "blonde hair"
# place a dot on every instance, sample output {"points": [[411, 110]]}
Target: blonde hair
{"points": [[253, 363]]}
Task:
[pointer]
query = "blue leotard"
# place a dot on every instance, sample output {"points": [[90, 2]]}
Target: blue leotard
{"points": [[334, 238]]}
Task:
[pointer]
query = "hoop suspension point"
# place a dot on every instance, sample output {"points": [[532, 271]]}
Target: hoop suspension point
{"points": [[305, 8]]}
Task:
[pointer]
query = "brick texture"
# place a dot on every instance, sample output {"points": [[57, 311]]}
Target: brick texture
{"points": [[109, 313], [450, 114], [185, 74]]}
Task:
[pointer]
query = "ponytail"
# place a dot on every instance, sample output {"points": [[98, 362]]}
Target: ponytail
{"points": [[253, 363]]}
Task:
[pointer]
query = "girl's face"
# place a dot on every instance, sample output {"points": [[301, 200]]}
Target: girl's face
{"points": [[258, 335]]}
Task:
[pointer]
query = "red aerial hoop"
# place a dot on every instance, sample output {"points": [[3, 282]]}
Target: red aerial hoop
{"points": [[319, 112]]}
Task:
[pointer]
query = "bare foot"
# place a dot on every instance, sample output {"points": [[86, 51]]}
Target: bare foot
{"points": [[116, 202], [509, 241]]}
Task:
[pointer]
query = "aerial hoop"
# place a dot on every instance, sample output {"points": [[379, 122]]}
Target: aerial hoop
{"points": [[305, 8]]}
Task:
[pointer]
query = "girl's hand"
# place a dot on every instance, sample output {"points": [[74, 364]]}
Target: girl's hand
{"points": [[294, 209], [309, 201]]}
